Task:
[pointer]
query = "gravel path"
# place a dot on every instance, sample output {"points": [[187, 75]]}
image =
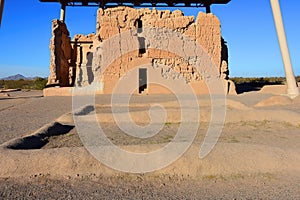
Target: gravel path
{"points": [[25, 112], [140, 187]]}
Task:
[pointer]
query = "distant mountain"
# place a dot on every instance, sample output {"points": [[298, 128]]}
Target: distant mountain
{"points": [[17, 77]]}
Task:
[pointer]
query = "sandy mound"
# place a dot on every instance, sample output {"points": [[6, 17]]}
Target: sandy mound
{"points": [[232, 104], [238, 152], [273, 89], [297, 99], [274, 101], [226, 159], [278, 115]]}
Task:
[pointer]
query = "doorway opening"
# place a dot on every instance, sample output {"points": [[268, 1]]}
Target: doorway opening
{"points": [[142, 48], [139, 25], [142, 79]]}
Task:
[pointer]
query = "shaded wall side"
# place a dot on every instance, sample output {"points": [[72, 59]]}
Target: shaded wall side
{"points": [[60, 51]]}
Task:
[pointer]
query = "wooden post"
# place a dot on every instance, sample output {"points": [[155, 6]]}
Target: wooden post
{"points": [[292, 89]]}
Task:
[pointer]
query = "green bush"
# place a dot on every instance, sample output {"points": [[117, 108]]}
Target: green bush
{"points": [[259, 81], [36, 84], [2, 84], [40, 83]]}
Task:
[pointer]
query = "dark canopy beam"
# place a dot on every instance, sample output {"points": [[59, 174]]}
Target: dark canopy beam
{"points": [[135, 3], [143, 3]]}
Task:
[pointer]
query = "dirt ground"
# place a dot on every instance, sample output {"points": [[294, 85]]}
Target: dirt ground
{"points": [[141, 187], [267, 127], [26, 111]]}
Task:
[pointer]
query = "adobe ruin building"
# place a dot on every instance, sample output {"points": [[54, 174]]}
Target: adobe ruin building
{"points": [[71, 58]]}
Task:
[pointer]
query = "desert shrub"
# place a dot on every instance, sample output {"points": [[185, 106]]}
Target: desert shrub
{"points": [[36, 84], [2, 84], [40, 83], [255, 84], [18, 84], [261, 81]]}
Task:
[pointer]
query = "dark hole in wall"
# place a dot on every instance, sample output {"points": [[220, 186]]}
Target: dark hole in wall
{"points": [[142, 49], [89, 67], [139, 25], [142, 79]]}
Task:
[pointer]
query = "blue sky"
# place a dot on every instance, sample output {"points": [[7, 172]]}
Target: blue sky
{"points": [[247, 26]]}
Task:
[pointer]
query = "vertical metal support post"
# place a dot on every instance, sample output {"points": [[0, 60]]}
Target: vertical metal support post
{"points": [[63, 12], [1, 10], [208, 8], [292, 89]]}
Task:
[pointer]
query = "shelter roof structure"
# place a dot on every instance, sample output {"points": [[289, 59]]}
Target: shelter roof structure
{"points": [[135, 3], [140, 3]]}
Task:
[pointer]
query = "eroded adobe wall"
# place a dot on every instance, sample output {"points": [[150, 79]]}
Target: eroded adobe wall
{"points": [[60, 52], [74, 63], [205, 31]]}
